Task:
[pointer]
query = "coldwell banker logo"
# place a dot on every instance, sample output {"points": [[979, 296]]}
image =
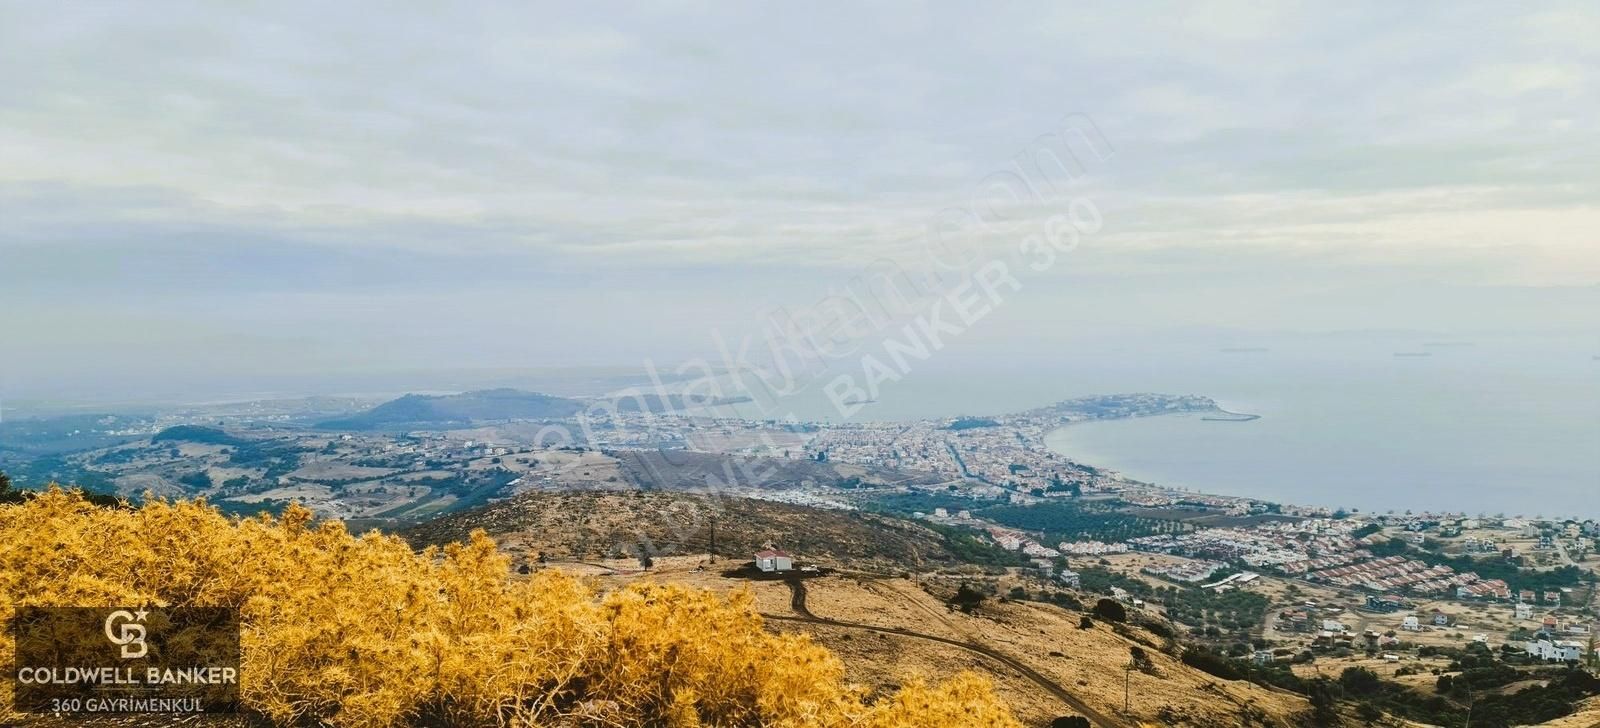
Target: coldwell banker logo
{"points": [[124, 630], [80, 660]]}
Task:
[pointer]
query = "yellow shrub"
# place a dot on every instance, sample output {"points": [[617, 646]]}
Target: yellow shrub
{"points": [[363, 631]]}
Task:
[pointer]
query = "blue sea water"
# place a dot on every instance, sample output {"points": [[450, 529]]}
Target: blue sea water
{"points": [[1495, 425]]}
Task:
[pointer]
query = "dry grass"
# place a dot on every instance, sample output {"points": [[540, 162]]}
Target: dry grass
{"points": [[1087, 663], [600, 524]]}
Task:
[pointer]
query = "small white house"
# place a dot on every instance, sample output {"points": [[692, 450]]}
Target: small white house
{"points": [[773, 561], [1559, 651], [1410, 624], [1524, 611]]}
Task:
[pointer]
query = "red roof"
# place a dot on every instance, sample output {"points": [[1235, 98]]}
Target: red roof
{"points": [[771, 554]]}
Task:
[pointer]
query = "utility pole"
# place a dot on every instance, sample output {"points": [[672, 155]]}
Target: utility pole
{"points": [[1127, 676], [1468, 723], [713, 540]]}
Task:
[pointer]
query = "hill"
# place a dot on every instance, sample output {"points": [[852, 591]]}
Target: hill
{"points": [[420, 411], [701, 471], [891, 630], [600, 524], [352, 632], [1043, 663], [199, 435]]}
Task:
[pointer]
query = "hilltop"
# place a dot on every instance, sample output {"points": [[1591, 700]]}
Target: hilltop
{"points": [[421, 411], [602, 524]]}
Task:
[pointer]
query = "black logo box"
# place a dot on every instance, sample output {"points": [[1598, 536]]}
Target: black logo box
{"points": [[80, 660]]}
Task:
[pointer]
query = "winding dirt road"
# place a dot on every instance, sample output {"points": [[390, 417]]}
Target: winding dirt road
{"points": [[797, 602]]}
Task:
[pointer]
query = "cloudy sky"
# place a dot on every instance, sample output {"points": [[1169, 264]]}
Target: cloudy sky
{"points": [[347, 187]]}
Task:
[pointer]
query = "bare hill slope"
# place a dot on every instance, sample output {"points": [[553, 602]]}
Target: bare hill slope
{"points": [[600, 524]]}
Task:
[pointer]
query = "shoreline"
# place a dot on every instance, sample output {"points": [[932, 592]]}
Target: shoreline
{"points": [[1136, 482], [1197, 489]]}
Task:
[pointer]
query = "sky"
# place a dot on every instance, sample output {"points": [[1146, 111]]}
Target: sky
{"points": [[191, 192]]}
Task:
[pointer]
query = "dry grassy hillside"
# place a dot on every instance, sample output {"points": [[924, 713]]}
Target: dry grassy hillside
{"points": [[602, 524], [362, 632], [889, 631], [1588, 717]]}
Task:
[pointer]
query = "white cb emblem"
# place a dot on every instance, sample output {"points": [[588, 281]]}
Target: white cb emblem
{"points": [[128, 633]]}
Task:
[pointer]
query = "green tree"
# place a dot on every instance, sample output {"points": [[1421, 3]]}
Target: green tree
{"points": [[967, 598], [7, 494], [1360, 681], [1324, 694], [1110, 610]]}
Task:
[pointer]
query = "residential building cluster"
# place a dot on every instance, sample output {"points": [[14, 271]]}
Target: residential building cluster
{"points": [[1291, 547], [1187, 572], [1006, 451], [1011, 539], [1394, 573]]}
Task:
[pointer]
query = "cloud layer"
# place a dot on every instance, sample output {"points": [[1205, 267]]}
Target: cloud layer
{"points": [[329, 174]]}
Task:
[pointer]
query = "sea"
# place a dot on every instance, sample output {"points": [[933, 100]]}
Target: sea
{"points": [[1507, 425]]}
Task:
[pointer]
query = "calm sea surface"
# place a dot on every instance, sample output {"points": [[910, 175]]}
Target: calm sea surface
{"points": [[1508, 426]]}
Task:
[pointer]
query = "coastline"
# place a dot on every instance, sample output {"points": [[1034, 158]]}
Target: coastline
{"points": [[1218, 413], [1054, 440]]}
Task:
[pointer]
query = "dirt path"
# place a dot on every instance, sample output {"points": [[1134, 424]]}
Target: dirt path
{"points": [[881, 588], [797, 602]]}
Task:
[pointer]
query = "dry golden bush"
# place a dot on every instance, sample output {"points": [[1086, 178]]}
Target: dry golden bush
{"points": [[361, 631]]}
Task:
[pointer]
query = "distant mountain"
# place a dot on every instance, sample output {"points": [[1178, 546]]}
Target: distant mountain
{"points": [[424, 411]]}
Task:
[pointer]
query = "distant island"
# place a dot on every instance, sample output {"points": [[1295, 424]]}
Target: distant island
{"points": [[1226, 416]]}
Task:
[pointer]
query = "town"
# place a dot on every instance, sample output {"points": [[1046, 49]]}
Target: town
{"points": [[1291, 579]]}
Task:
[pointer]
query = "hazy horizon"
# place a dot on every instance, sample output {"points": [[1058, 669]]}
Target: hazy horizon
{"points": [[205, 199]]}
